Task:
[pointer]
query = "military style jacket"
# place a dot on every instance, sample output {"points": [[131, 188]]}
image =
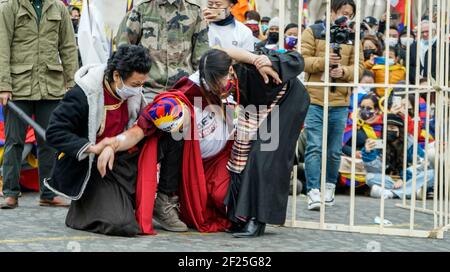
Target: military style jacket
{"points": [[38, 59], [175, 34]]}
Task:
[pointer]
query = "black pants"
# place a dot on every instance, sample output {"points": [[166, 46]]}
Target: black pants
{"points": [[170, 155], [16, 130]]}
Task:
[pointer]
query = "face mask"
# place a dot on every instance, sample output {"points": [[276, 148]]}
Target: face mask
{"points": [[126, 91], [392, 136], [392, 42], [426, 43], [228, 89], [273, 38], [368, 53], [382, 61], [264, 28], [405, 41], [363, 90], [365, 114], [291, 42]]}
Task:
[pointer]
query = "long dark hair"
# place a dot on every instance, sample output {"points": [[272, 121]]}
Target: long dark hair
{"points": [[394, 154], [214, 65]]}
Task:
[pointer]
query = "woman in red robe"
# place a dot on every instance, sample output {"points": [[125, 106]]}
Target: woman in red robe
{"points": [[200, 99]]}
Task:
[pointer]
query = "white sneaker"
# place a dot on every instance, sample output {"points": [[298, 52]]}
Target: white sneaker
{"points": [[376, 192], [329, 194], [314, 200]]}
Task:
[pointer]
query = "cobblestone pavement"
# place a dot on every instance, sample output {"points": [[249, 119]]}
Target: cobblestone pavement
{"points": [[34, 228]]}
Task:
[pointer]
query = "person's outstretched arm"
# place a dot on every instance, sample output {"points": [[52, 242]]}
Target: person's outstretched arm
{"points": [[121, 142]]}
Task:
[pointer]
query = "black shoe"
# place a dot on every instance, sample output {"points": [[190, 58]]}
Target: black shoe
{"points": [[236, 227], [252, 229]]}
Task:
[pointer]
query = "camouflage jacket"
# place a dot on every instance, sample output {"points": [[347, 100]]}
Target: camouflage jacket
{"points": [[175, 34], [37, 61]]}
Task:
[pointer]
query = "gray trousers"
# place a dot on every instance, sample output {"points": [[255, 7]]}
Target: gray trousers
{"points": [[15, 132]]}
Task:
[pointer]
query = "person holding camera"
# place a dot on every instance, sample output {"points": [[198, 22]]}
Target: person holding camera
{"points": [[341, 71], [224, 30]]}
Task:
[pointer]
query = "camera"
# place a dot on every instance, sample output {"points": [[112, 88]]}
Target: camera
{"points": [[341, 31]]}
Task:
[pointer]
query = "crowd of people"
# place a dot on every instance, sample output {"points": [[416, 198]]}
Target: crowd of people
{"points": [[194, 120]]}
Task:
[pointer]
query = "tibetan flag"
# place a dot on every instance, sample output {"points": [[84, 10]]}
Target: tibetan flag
{"points": [[240, 9], [401, 6], [130, 5], [372, 131], [252, 4]]}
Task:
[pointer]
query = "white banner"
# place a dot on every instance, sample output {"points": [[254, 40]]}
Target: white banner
{"points": [[99, 23]]}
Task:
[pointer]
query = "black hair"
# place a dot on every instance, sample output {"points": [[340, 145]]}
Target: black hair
{"points": [[394, 151], [394, 154], [214, 65], [290, 26], [127, 60], [373, 98], [75, 8], [368, 73], [394, 28], [252, 15], [405, 32], [234, 2], [373, 39], [337, 4], [265, 19]]}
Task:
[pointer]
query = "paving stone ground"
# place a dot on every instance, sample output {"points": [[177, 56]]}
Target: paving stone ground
{"points": [[33, 228]]}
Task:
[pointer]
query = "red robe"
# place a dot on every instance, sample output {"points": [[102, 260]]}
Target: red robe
{"points": [[204, 183]]}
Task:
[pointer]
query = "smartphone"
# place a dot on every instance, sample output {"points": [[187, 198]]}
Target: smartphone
{"points": [[380, 60], [397, 101], [378, 144], [395, 16], [220, 14]]}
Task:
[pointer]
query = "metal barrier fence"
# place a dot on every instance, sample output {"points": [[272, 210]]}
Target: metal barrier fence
{"points": [[438, 212]]}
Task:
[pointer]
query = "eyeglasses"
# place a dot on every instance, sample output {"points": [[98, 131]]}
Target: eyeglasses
{"points": [[367, 108]]}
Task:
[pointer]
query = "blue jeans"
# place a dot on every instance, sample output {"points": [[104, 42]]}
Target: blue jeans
{"points": [[337, 119], [375, 179]]}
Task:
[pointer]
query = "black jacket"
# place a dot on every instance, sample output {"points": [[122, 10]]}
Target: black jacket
{"points": [[423, 68], [68, 133]]}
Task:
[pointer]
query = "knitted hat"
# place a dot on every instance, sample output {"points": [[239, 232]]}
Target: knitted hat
{"points": [[395, 120], [274, 22], [167, 114]]}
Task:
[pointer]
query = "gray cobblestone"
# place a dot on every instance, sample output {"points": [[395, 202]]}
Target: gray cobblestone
{"points": [[34, 228]]}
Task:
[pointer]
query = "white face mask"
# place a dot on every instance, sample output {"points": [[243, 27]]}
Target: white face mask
{"points": [[392, 42], [363, 90], [126, 91], [426, 43], [405, 41], [391, 62]]}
